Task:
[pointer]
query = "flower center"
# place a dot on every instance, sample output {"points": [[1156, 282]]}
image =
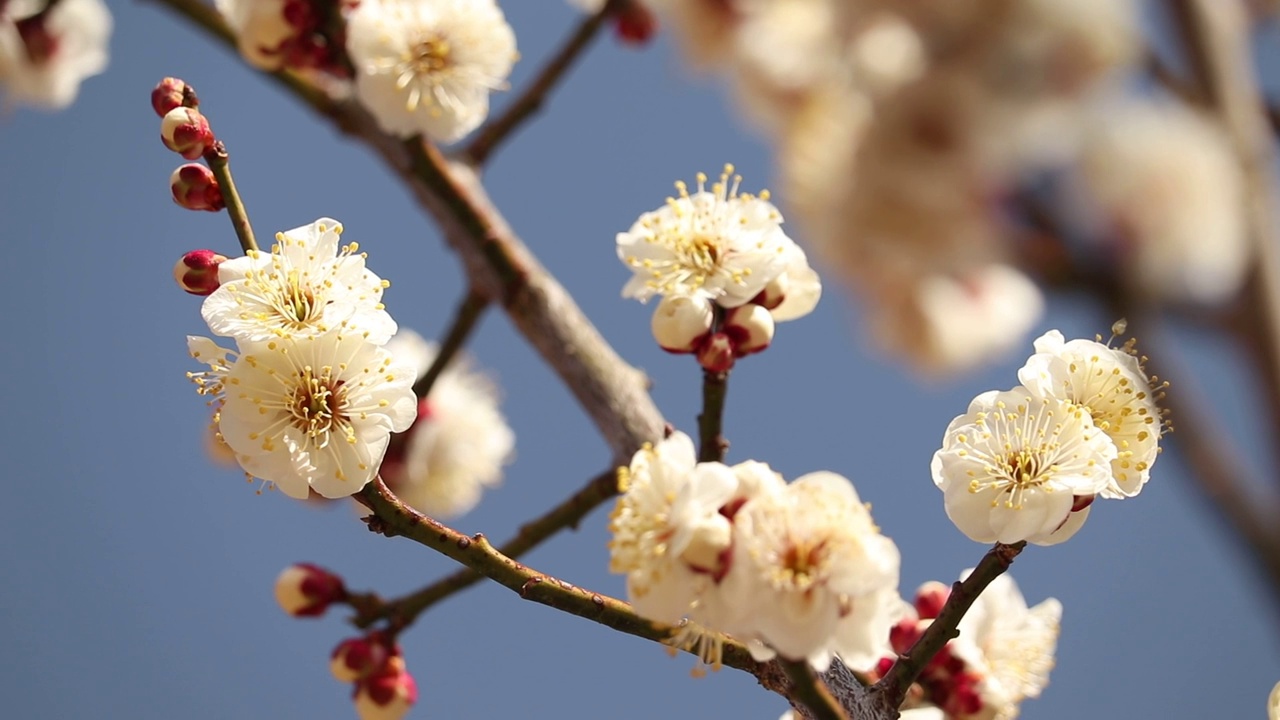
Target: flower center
{"points": [[317, 403], [430, 56], [801, 562]]}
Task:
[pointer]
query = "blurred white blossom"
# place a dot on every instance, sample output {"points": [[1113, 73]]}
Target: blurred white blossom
{"points": [[1170, 196], [261, 28], [459, 442], [307, 285], [428, 67], [46, 54]]}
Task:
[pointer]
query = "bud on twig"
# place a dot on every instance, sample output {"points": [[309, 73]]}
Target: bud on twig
{"points": [[750, 327], [358, 658], [716, 353], [680, 323], [172, 93], [197, 271], [635, 24], [195, 188], [305, 590], [388, 695], [185, 131]]}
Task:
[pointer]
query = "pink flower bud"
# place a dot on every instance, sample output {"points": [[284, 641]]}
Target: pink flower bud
{"points": [[716, 353], [197, 271], [680, 323], [358, 658], [195, 188], [635, 24], [905, 634], [172, 93], [386, 696], [305, 590], [750, 327], [185, 131], [930, 598]]}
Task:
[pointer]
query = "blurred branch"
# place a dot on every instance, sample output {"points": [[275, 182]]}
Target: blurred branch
{"points": [[892, 688], [494, 132], [499, 266], [567, 514], [464, 321], [711, 443], [810, 691], [1215, 35]]}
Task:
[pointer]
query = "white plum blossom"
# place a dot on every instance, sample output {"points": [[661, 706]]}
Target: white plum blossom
{"points": [[1010, 646], [428, 67], [1171, 193], [310, 413], [668, 532], [46, 54], [795, 292], [460, 442], [811, 575], [718, 244], [1012, 466], [307, 285], [1109, 384], [261, 29]]}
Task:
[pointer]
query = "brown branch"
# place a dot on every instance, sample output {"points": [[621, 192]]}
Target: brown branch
{"points": [[892, 688], [711, 443], [219, 164], [464, 321], [567, 514], [809, 690], [489, 137]]}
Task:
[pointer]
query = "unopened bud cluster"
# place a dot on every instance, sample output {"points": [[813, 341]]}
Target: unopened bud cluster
{"points": [[185, 130], [725, 270], [1002, 656]]}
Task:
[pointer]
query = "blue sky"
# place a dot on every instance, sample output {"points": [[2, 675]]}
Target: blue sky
{"points": [[139, 576]]}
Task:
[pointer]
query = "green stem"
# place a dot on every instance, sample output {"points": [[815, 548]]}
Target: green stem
{"points": [[464, 321], [219, 163]]}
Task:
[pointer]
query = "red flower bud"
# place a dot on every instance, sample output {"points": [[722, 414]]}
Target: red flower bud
{"points": [[172, 93], [195, 188], [185, 131], [716, 353], [358, 658], [930, 598], [635, 24], [305, 590], [388, 695], [197, 271]]}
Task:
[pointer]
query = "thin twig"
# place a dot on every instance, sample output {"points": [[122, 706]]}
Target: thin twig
{"points": [[711, 443], [219, 163], [489, 137], [809, 690], [464, 321], [892, 688], [568, 514]]}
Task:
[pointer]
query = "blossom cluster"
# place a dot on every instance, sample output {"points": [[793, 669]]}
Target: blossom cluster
{"points": [[795, 569], [1027, 463], [904, 130], [1002, 656], [724, 268], [309, 397], [48, 49], [420, 66]]}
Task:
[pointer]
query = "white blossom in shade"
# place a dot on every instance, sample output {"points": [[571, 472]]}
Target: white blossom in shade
{"points": [[811, 575], [460, 442], [719, 244], [308, 413], [428, 67], [668, 533], [307, 285], [260, 28], [1109, 384], [1009, 645], [947, 323], [1011, 467], [44, 58], [795, 292], [1170, 193], [1273, 704]]}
